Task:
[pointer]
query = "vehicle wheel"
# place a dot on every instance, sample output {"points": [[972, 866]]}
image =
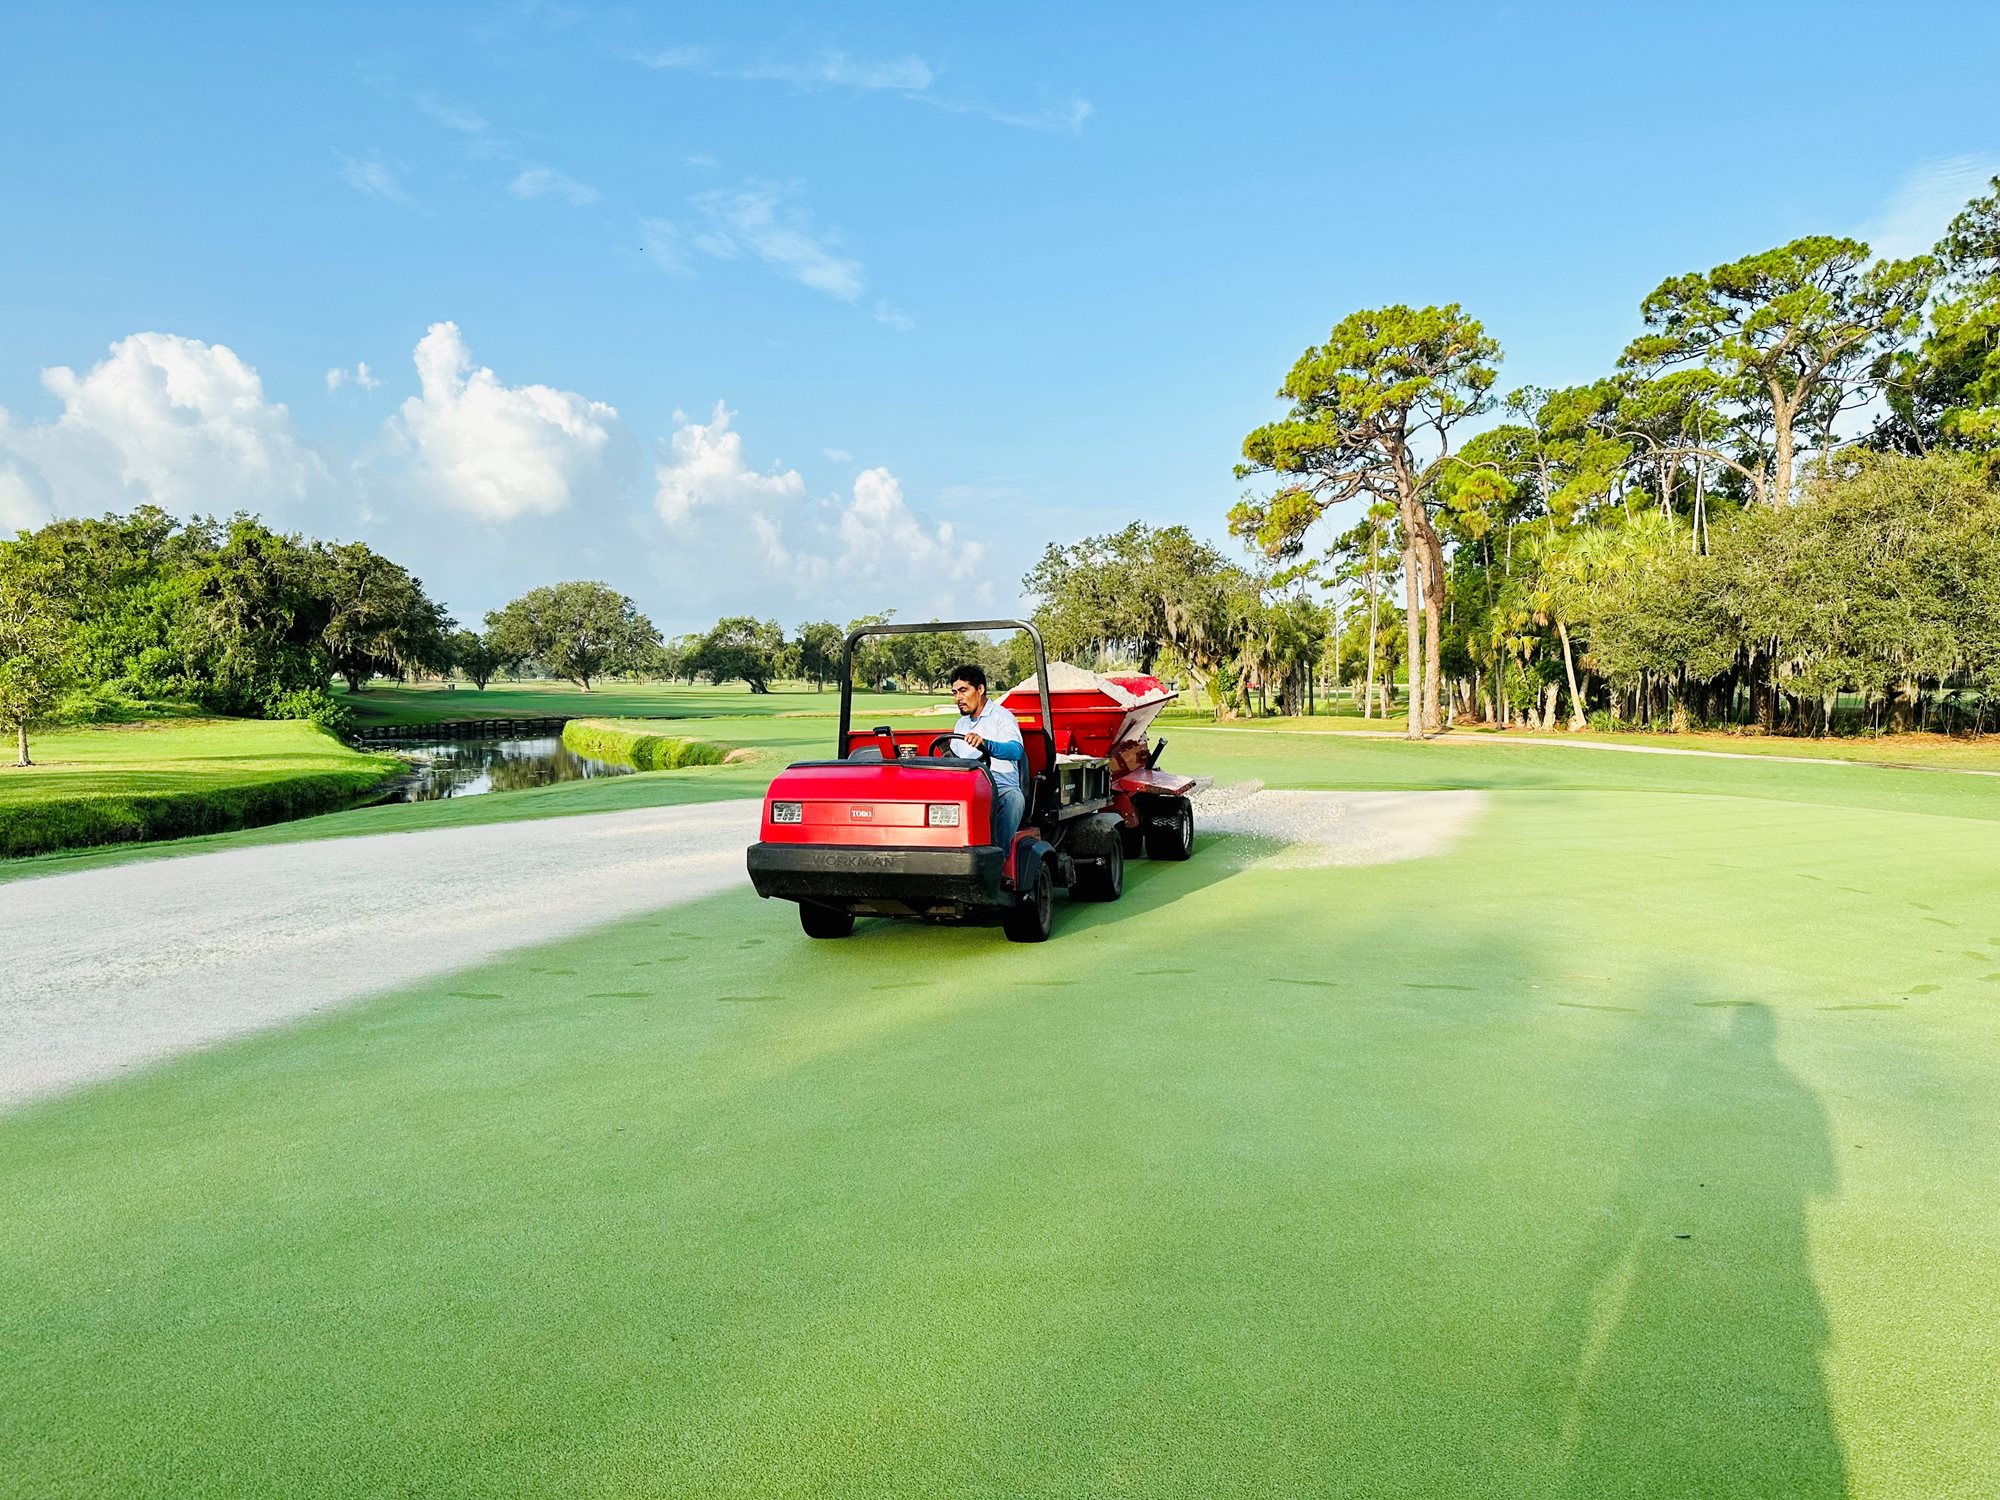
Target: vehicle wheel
{"points": [[1170, 834], [1133, 840], [824, 921], [1103, 880], [1030, 921]]}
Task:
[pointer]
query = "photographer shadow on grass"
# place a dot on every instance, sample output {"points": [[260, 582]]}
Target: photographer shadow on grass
{"points": [[1683, 1352]]}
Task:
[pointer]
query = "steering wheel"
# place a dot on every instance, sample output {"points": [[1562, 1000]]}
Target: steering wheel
{"points": [[945, 740]]}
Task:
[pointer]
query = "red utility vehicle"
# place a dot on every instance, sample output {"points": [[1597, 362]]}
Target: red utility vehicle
{"points": [[898, 826]]}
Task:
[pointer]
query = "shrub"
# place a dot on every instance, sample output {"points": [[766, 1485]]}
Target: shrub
{"points": [[79, 822], [600, 739], [113, 703], [315, 706]]}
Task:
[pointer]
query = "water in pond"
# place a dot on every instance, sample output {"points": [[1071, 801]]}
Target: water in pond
{"points": [[468, 768]]}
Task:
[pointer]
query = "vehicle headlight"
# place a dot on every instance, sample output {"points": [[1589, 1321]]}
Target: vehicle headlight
{"points": [[788, 812], [941, 814]]}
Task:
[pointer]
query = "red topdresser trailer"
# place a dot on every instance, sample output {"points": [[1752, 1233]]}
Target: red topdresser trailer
{"points": [[898, 826]]}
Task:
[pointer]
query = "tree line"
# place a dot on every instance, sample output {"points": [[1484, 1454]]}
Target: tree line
{"points": [[123, 616], [108, 617], [758, 653], [1688, 540]]}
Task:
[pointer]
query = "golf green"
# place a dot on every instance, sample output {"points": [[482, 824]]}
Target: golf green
{"points": [[1643, 1144]]}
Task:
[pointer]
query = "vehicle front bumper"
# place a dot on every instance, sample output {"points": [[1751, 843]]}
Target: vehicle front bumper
{"points": [[880, 878]]}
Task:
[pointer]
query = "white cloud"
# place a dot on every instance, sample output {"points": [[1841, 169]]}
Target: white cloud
{"points": [[740, 533], [359, 376], [706, 467], [23, 505], [496, 450], [538, 182], [909, 77], [453, 116], [887, 312], [665, 244], [1925, 202], [162, 419], [1067, 117], [835, 69], [838, 455], [771, 543], [757, 219], [703, 160], [881, 537], [375, 178], [668, 58]]}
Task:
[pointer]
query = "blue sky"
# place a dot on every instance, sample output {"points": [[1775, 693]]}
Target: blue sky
{"points": [[803, 312]]}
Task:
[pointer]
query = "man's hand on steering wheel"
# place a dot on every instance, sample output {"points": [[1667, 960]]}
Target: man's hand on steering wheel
{"points": [[978, 743]]}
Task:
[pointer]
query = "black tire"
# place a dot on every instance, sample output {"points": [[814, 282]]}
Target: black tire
{"points": [[1103, 879], [824, 921], [1170, 831], [1133, 840], [1030, 921]]}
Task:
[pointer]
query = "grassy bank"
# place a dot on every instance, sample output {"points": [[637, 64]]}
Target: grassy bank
{"points": [[1660, 1167], [427, 703], [640, 745], [777, 739], [125, 783]]}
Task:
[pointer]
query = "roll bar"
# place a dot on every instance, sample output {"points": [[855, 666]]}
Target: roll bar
{"points": [[931, 627]]}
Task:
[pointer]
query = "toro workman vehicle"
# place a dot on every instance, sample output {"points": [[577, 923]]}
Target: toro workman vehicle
{"points": [[901, 826]]}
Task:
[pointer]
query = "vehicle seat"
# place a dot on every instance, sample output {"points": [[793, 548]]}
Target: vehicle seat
{"points": [[1041, 756], [865, 752]]}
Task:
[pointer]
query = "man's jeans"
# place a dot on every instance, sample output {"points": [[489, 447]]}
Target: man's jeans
{"points": [[1008, 805]]}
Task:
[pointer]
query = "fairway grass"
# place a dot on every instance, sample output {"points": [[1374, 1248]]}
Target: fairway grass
{"points": [[1904, 751], [774, 741], [1653, 1158], [183, 776], [1229, 756], [426, 703]]}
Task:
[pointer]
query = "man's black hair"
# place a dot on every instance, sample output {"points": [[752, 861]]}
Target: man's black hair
{"points": [[972, 674]]}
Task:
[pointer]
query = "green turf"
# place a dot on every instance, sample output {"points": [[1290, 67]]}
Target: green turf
{"points": [[1643, 1145], [1228, 755], [777, 740], [125, 781], [1923, 751], [430, 703]]}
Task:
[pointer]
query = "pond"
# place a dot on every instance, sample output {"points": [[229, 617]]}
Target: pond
{"points": [[471, 768]]}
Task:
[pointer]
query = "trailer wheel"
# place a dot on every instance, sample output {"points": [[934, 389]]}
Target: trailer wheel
{"points": [[824, 921], [1030, 921], [1170, 834], [1104, 878]]}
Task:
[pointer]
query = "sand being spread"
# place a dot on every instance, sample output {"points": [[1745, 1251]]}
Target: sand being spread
{"points": [[1319, 830], [102, 971]]}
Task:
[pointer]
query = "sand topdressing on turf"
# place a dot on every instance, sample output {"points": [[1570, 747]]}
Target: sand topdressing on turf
{"points": [[1638, 1143], [1299, 830], [104, 970]]}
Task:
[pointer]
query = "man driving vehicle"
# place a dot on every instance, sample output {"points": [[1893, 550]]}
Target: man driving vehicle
{"points": [[986, 726]]}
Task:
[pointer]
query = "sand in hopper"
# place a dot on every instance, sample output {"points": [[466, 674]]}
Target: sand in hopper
{"points": [[1065, 677]]}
